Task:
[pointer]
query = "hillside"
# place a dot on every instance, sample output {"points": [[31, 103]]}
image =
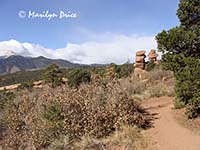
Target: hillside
{"points": [[42, 62], [15, 63], [36, 75], [110, 107], [20, 76], [97, 107]]}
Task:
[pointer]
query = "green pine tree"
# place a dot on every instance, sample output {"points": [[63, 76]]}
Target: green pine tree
{"points": [[53, 75], [181, 54]]}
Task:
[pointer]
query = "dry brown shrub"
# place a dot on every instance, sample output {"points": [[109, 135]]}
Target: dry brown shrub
{"points": [[100, 111], [97, 110]]}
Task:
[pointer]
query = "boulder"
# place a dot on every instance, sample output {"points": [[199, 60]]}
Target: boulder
{"points": [[140, 59], [140, 53], [153, 55]]}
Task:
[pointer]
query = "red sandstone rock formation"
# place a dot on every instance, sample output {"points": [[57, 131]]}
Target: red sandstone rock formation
{"points": [[140, 59], [153, 56]]}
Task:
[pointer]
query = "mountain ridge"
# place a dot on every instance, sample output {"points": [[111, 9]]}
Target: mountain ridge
{"points": [[16, 63]]}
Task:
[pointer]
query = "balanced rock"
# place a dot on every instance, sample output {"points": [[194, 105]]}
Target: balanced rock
{"points": [[153, 56], [140, 60], [140, 53]]}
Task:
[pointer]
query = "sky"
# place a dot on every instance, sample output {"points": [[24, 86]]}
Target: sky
{"points": [[100, 31]]}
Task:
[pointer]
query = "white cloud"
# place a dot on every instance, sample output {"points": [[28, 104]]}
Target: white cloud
{"points": [[118, 49]]}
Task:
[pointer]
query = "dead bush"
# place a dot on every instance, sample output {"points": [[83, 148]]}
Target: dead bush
{"points": [[59, 117], [98, 118], [91, 110]]}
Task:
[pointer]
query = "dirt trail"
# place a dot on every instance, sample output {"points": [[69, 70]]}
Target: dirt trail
{"points": [[166, 132]]}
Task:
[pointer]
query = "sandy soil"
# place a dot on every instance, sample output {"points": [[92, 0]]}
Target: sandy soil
{"points": [[167, 132]]}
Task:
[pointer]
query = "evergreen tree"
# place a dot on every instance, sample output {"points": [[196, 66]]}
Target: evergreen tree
{"points": [[189, 14], [181, 54], [184, 39], [53, 75]]}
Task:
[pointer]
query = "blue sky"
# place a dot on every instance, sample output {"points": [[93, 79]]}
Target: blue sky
{"points": [[98, 21], [145, 17]]}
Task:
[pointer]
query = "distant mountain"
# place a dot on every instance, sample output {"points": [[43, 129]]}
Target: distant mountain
{"points": [[15, 63], [10, 63], [42, 62]]}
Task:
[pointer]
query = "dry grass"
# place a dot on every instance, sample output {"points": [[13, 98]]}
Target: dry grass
{"points": [[156, 84], [128, 138]]}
